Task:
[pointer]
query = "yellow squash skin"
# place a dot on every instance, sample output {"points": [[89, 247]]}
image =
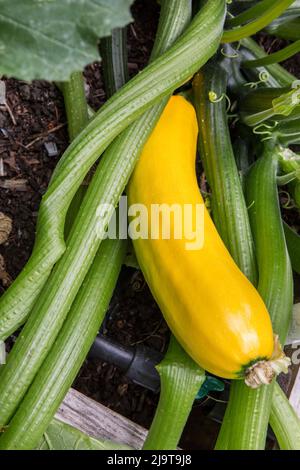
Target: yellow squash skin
{"points": [[210, 306]]}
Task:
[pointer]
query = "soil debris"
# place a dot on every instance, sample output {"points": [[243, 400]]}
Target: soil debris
{"points": [[5, 227]]}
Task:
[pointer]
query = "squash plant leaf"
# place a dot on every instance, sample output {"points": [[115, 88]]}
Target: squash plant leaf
{"points": [[61, 436], [50, 39]]}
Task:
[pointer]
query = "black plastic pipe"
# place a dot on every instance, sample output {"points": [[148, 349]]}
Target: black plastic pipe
{"points": [[137, 362]]}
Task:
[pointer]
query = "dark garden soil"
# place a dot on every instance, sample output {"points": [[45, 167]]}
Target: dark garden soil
{"points": [[33, 119]]}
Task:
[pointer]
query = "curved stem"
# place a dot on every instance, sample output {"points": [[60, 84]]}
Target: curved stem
{"points": [[278, 56], [181, 378], [293, 245], [252, 13], [281, 75], [74, 340], [289, 29], [58, 371], [248, 410], [228, 204], [277, 7], [284, 421]]}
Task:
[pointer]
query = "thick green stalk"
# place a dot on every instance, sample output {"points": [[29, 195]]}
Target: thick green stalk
{"points": [[114, 60], [251, 13], [270, 104], [228, 204], [71, 347], [75, 104], [181, 379], [61, 366], [55, 377], [278, 56], [287, 131], [293, 245], [269, 14], [156, 81], [77, 117], [284, 421], [284, 78], [107, 185], [281, 75], [289, 29], [246, 420]]}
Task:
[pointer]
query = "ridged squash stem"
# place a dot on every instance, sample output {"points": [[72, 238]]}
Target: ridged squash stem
{"points": [[75, 104], [181, 379], [284, 421], [282, 431], [114, 60], [281, 75], [58, 371], [278, 56], [275, 9], [248, 411], [107, 185], [221, 171], [149, 87], [293, 244], [62, 436], [251, 13], [229, 208], [274, 105], [289, 30], [61, 366]]}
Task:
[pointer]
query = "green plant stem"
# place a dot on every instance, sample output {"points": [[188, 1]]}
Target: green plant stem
{"points": [[251, 13], [156, 81], [71, 347], [55, 377], [73, 342], [269, 14], [114, 60], [289, 29], [281, 75], [282, 180], [181, 379], [247, 415], [278, 56], [77, 116], [228, 204], [293, 245], [284, 105], [75, 104], [284, 421]]}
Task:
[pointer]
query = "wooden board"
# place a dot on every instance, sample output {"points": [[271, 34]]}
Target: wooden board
{"points": [[98, 421]]}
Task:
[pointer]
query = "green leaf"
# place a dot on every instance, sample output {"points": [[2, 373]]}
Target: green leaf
{"points": [[50, 39], [61, 436]]}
